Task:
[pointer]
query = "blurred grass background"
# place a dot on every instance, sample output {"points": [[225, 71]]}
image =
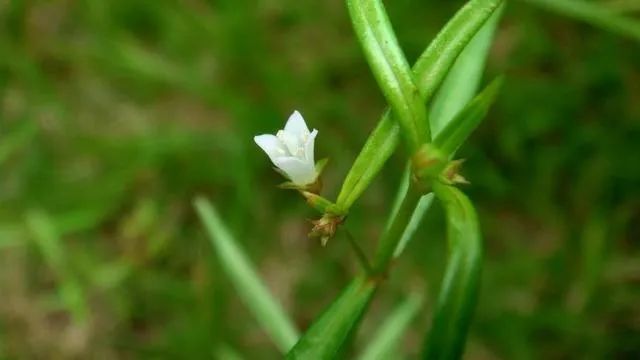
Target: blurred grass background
{"points": [[115, 114]]}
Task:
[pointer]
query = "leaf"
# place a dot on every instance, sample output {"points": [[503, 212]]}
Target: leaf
{"points": [[390, 68], [459, 289], [594, 14], [325, 337], [414, 222], [385, 342], [252, 291], [463, 80], [429, 72], [456, 132], [435, 62], [376, 151]]}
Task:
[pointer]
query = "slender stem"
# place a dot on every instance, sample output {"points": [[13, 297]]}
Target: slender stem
{"points": [[393, 233], [362, 257]]}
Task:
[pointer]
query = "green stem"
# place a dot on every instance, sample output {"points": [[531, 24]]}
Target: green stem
{"points": [[393, 233], [362, 257]]}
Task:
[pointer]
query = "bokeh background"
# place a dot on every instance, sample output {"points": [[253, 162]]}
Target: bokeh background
{"points": [[115, 114]]}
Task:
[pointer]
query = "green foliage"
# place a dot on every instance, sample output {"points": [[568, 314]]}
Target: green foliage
{"points": [[253, 292], [456, 132], [463, 79], [385, 342], [390, 68], [429, 72], [326, 337], [376, 151], [115, 114], [433, 66], [459, 289]]}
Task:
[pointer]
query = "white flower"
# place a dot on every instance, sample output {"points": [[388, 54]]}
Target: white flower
{"points": [[291, 150]]}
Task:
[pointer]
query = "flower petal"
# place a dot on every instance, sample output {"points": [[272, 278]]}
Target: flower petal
{"points": [[296, 125], [309, 147], [300, 172], [290, 142], [271, 145]]}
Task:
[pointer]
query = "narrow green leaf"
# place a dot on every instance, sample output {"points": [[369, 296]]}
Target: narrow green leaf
{"points": [[429, 72], [382, 142], [463, 80], [414, 222], [392, 235], [435, 62], [385, 342], [593, 13], [390, 68], [459, 289], [403, 187], [252, 291], [325, 337], [456, 132]]}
